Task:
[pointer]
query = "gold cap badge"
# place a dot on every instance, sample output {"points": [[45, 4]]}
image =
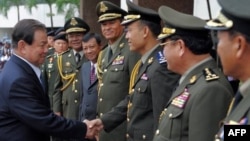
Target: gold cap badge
{"points": [[73, 22], [103, 7]]}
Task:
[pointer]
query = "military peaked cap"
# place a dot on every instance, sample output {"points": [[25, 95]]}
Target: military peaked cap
{"points": [[181, 24], [76, 24], [233, 15], [51, 33], [108, 11], [136, 12], [61, 36], [60, 31]]}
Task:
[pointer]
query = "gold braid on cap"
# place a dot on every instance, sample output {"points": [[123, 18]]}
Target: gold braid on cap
{"points": [[132, 17], [224, 22], [69, 77], [109, 15], [166, 31]]}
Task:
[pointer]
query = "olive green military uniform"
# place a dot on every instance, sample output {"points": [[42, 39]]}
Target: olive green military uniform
{"points": [[200, 102], [68, 80], [150, 88], [197, 106], [114, 83], [234, 20], [49, 72], [113, 71], [68, 83]]}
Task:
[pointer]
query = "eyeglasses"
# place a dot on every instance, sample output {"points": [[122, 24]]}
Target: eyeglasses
{"points": [[165, 43]]}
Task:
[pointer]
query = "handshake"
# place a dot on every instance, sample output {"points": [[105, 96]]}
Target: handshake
{"points": [[93, 128]]}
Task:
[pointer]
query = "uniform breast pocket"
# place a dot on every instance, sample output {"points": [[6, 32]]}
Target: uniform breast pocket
{"points": [[140, 98], [175, 112], [117, 72]]}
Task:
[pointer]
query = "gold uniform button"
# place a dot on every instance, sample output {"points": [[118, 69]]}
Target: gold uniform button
{"points": [[77, 70], [75, 91], [101, 114], [144, 137], [170, 115], [76, 80], [128, 119], [127, 135], [157, 132], [105, 70], [139, 89], [133, 90], [101, 84], [75, 101], [116, 69], [100, 99]]}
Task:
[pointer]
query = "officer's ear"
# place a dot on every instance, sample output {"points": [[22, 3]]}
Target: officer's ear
{"points": [[241, 46], [180, 45]]}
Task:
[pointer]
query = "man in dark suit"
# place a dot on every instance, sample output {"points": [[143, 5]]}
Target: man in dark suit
{"points": [[115, 64], [151, 83], [91, 44], [200, 102], [24, 105], [232, 26]]}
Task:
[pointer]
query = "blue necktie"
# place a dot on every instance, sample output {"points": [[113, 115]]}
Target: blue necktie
{"points": [[42, 82]]}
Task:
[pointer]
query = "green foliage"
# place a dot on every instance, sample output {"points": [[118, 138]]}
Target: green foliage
{"points": [[63, 6]]}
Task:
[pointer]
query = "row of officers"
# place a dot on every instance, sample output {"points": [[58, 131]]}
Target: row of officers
{"points": [[151, 82]]}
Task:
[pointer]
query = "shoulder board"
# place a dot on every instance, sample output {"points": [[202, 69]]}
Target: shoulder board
{"points": [[64, 52], [210, 75]]}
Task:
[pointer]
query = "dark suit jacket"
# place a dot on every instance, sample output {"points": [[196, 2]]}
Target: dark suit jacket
{"points": [[25, 110], [196, 114], [152, 89], [90, 94]]}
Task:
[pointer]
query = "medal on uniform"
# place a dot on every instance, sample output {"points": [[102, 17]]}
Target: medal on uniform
{"points": [[181, 100], [119, 60]]}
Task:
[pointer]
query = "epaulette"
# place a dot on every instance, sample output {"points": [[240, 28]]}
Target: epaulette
{"points": [[64, 52], [210, 75]]}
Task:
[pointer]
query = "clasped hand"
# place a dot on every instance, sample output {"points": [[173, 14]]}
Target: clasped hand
{"points": [[94, 127]]}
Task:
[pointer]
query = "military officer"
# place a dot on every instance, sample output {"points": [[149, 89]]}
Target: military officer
{"points": [[200, 102], [69, 63], [50, 38], [233, 28], [115, 64], [50, 71], [151, 83]]}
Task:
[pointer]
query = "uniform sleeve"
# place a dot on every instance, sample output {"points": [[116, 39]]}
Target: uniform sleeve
{"points": [[162, 85], [116, 116]]}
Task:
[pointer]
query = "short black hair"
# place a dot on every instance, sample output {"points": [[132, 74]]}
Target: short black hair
{"points": [[196, 44], [154, 27], [25, 30], [89, 36]]}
